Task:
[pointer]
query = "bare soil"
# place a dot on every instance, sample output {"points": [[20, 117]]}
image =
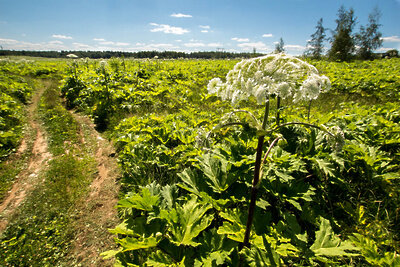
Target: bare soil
{"points": [[97, 212]]}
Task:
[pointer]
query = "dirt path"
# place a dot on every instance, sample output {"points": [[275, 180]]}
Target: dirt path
{"points": [[30, 176], [97, 213]]}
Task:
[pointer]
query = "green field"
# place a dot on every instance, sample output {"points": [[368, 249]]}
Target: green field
{"points": [[187, 167]]}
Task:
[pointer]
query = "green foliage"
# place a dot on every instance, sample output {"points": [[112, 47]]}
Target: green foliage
{"points": [[186, 184], [378, 79], [328, 245], [110, 91], [15, 91]]}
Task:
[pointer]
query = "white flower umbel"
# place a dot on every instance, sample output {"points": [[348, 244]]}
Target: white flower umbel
{"points": [[276, 74]]}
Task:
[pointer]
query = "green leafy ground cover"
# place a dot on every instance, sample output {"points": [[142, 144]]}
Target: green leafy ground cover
{"points": [[317, 203], [186, 186]]}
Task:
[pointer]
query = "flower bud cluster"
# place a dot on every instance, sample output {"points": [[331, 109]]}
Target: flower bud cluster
{"points": [[276, 74]]}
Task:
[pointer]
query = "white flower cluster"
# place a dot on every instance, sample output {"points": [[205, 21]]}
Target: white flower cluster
{"points": [[276, 74]]}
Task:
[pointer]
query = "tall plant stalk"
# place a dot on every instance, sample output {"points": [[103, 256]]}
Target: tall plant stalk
{"points": [[309, 110], [256, 180], [278, 110]]}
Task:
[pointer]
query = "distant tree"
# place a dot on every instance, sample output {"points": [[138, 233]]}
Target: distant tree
{"points": [[343, 43], [280, 46], [316, 44], [369, 37]]}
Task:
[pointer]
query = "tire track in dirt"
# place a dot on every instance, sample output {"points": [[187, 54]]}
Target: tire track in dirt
{"points": [[97, 213], [30, 176]]}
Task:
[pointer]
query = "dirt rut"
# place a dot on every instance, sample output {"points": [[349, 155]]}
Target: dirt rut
{"points": [[30, 176], [97, 212]]}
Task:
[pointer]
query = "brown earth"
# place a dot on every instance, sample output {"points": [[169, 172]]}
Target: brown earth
{"points": [[97, 213]]}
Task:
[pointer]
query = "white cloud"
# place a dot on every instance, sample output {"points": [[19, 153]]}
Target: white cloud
{"points": [[152, 47], [201, 44], [180, 15], [114, 43], [294, 47], [168, 29], [204, 28], [384, 49], [214, 45], [59, 36], [259, 46], [391, 39], [194, 45], [8, 41], [240, 40], [267, 35], [80, 46], [56, 42], [21, 45], [103, 41]]}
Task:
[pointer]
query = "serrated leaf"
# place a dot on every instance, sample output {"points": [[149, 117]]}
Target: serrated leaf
{"points": [[187, 222], [215, 249], [215, 169], [295, 204], [169, 194], [144, 201], [258, 257], [159, 259], [191, 182], [122, 229], [285, 177], [328, 244], [233, 231], [110, 253], [324, 166], [129, 244]]}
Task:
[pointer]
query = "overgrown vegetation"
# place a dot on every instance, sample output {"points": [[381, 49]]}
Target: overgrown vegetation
{"points": [[309, 191], [187, 181]]}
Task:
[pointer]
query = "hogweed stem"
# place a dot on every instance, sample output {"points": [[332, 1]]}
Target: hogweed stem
{"points": [[256, 180]]}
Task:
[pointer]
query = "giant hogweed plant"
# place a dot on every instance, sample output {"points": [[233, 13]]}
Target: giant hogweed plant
{"points": [[206, 220], [279, 76]]}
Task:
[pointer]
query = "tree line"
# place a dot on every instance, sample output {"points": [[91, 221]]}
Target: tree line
{"points": [[139, 54]]}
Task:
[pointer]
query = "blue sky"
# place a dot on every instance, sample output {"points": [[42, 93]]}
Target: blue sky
{"points": [[180, 25]]}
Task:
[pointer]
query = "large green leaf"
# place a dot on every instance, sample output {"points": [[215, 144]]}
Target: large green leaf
{"points": [[160, 259], [186, 222], [215, 249], [327, 244], [192, 182], [129, 243], [144, 201], [216, 169]]}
